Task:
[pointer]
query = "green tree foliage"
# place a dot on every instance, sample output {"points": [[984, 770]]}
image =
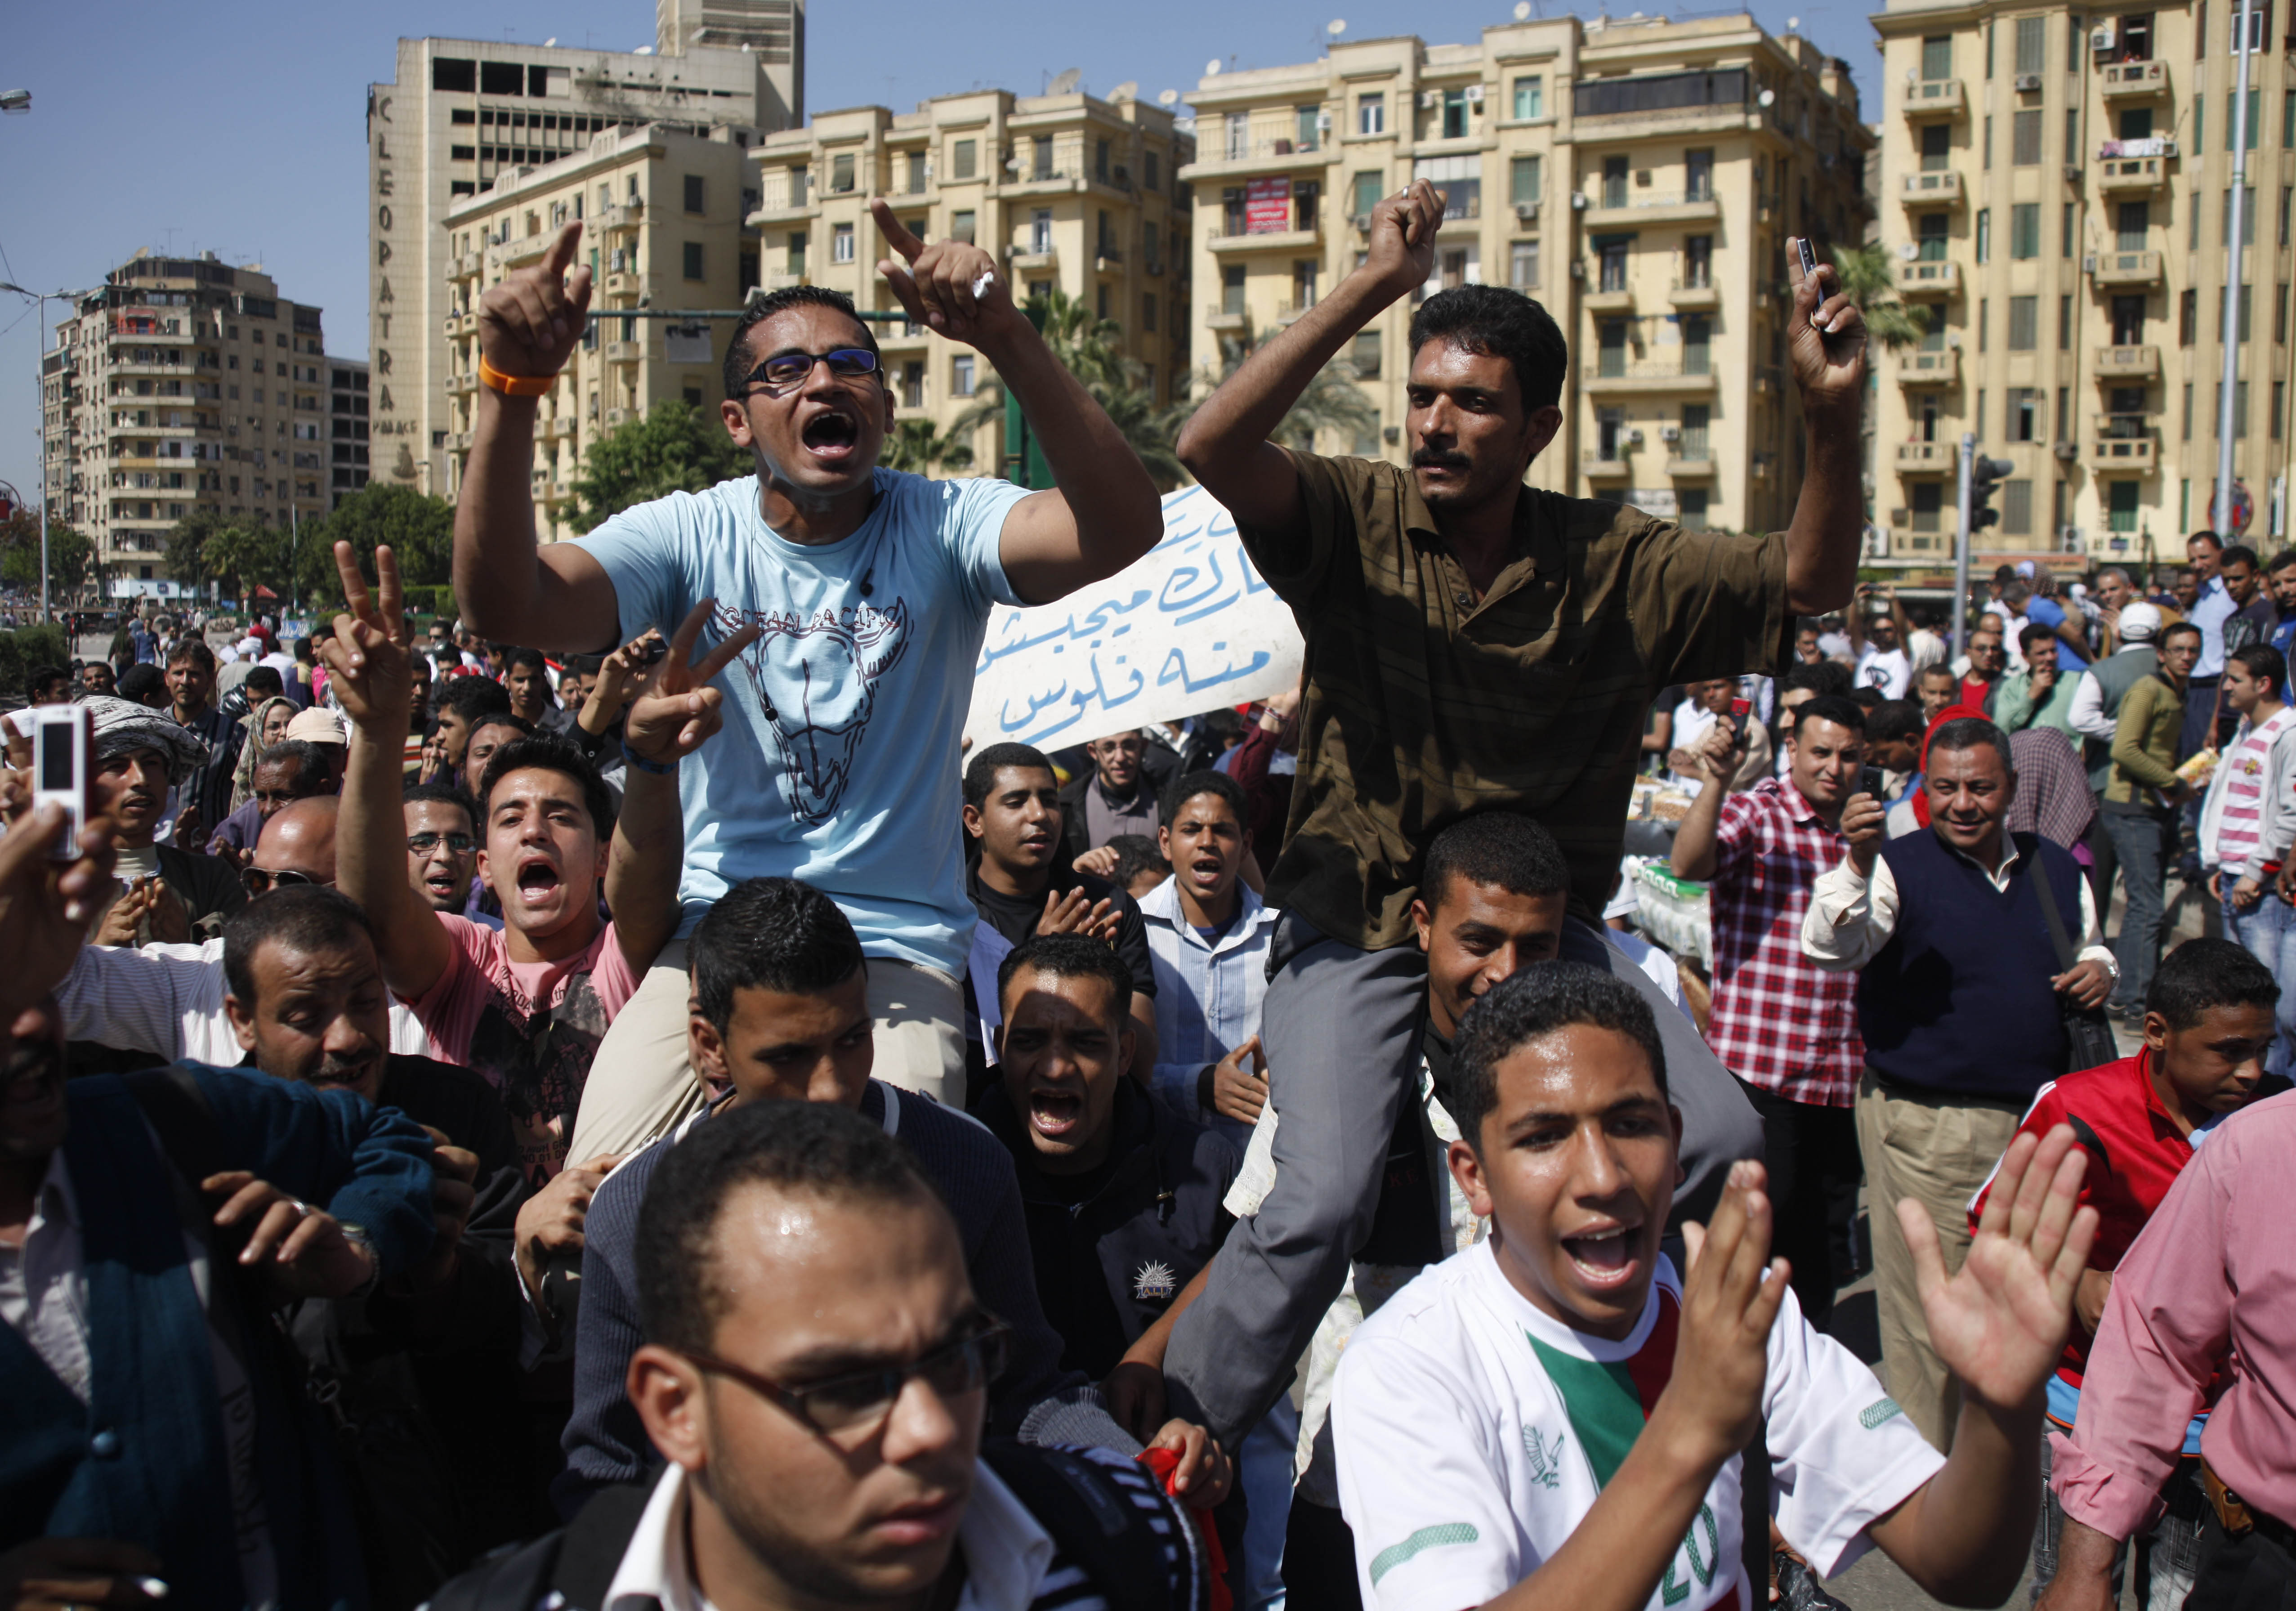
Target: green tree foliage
{"points": [[675, 448], [917, 448], [1332, 403], [418, 528], [1869, 278], [71, 555]]}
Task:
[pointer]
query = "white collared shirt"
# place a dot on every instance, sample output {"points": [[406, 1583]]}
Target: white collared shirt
{"points": [[1852, 917], [1208, 993], [1006, 1553], [44, 1282]]}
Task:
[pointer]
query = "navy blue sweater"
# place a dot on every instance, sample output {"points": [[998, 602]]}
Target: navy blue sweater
{"points": [[606, 1442]]}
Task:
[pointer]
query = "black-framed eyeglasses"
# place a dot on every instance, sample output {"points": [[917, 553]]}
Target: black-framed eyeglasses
{"points": [[262, 881], [422, 845], [786, 369], [864, 1398]]}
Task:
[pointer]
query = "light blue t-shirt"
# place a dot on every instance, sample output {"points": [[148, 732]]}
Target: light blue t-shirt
{"points": [[2049, 613], [838, 762]]}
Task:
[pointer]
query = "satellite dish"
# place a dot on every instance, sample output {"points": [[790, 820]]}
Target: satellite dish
{"points": [[1169, 97], [550, 43], [1907, 252], [643, 50], [1129, 90], [1066, 84], [1523, 11], [1336, 27], [1211, 68], [1768, 97], [1793, 24]]}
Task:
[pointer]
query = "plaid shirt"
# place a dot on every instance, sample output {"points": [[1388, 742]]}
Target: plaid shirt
{"points": [[1779, 1021]]}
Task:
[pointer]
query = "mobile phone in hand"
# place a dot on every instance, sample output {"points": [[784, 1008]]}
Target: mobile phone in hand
{"points": [[1869, 781], [1809, 271], [1741, 710], [63, 740]]}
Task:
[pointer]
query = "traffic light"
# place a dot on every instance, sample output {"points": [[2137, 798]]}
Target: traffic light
{"points": [[1985, 478]]}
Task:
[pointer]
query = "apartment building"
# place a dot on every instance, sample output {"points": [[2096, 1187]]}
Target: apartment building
{"points": [[1065, 189], [2059, 189], [179, 384], [662, 211], [346, 429], [1639, 178], [461, 114]]}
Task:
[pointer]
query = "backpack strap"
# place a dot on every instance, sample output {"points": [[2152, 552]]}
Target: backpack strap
{"points": [[1110, 1519]]}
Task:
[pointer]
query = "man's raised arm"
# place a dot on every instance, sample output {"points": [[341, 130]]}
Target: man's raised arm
{"points": [[1826, 346], [1103, 514], [1225, 443], [511, 588]]}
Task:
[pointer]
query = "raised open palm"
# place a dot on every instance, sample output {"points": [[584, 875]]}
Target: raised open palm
{"points": [[1999, 1322]]}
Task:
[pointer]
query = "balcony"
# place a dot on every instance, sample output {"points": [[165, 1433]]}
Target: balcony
{"points": [[2130, 176], [619, 416], [2125, 441], [782, 281], [619, 283], [1657, 208], [1597, 468], [1692, 462], [2126, 268], [462, 324], [1704, 294], [1906, 543], [1046, 258], [462, 385], [1929, 277], [625, 215], [2132, 80], [1216, 317], [1943, 188], [622, 352], [1935, 97], [466, 265], [1267, 239], [1649, 376], [2116, 365], [527, 249], [1272, 156], [1927, 458], [1939, 368], [1619, 299], [551, 428]]}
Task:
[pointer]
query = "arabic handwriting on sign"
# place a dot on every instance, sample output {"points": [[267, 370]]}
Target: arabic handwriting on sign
{"points": [[1005, 717], [1184, 605], [1174, 670], [1071, 626]]}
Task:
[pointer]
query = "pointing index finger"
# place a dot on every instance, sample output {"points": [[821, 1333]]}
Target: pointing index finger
{"points": [[562, 251], [896, 233]]}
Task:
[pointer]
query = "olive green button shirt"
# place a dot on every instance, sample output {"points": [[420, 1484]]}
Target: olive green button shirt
{"points": [[1423, 704]]}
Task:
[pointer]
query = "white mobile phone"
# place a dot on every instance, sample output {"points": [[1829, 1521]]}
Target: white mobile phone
{"points": [[63, 741]]}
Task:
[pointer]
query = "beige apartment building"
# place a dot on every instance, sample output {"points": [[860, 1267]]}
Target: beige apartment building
{"points": [[2058, 189], [661, 210], [1639, 178], [460, 115], [1064, 190], [180, 385]]}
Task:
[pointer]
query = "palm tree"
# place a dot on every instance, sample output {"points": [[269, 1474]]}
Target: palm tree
{"points": [[917, 448], [1088, 347], [1870, 280], [1150, 431], [1332, 401]]}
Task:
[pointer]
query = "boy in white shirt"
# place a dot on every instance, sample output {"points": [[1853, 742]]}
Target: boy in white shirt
{"points": [[1489, 1419]]}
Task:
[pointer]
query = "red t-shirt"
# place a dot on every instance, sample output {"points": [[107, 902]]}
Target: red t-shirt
{"points": [[2134, 1154], [1974, 692]]}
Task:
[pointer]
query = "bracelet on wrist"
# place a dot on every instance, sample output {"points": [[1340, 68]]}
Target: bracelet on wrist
{"points": [[659, 768], [513, 385]]}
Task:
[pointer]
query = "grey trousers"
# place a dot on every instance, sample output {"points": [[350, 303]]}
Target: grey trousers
{"points": [[1341, 1029]]}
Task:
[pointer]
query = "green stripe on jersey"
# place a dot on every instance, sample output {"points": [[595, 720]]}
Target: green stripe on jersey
{"points": [[1427, 1538], [1604, 1407]]}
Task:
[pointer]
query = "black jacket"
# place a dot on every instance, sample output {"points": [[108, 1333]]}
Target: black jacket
{"points": [[1157, 768], [1109, 1266]]}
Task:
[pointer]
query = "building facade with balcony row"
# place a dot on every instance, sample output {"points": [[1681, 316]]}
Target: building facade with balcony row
{"points": [[183, 384], [1640, 178], [2057, 190], [1066, 191], [662, 209]]}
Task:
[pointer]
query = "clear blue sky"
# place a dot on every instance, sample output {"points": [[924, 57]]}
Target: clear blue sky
{"points": [[238, 125]]}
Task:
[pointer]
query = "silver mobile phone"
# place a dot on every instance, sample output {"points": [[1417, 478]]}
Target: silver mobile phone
{"points": [[1809, 258], [63, 741]]}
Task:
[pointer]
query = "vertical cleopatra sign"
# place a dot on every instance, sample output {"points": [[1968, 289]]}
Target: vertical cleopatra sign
{"points": [[379, 134]]}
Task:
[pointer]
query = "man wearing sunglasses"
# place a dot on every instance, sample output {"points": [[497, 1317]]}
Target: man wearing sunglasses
{"points": [[816, 1371], [873, 589]]}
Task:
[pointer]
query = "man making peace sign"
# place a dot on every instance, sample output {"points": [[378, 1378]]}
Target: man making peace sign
{"points": [[871, 590]]}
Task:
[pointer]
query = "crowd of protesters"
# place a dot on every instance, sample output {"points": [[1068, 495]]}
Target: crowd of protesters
{"points": [[489, 1122]]}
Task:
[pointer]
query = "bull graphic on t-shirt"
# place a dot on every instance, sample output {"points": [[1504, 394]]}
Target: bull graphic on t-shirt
{"points": [[826, 668]]}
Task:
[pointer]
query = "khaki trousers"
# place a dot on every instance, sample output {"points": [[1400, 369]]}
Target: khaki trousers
{"points": [[640, 1085], [1936, 1149]]}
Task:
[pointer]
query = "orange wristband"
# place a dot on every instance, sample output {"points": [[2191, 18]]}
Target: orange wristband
{"points": [[514, 385]]}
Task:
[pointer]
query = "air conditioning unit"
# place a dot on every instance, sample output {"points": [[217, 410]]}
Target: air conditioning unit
{"points": [[1430, 99], [2067, 451], [1577, 269], [1633, 437], [2027, 82], [1323, 123], [1669, 434], [2072, 538], [2102, 38], [2089, 263], [2072, 173], [1579, 200], [1526, 212], [1362, 221], [1474, 94]]}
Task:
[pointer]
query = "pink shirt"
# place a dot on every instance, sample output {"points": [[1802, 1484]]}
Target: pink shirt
{"points": [[531, 1028], [2214, 1271]]}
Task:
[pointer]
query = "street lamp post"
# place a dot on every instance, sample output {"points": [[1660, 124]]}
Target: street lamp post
{"points": [[40, 380]]}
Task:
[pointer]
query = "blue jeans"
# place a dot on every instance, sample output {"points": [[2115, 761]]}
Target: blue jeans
{"points": [[2140, 838], [2267, 931]]}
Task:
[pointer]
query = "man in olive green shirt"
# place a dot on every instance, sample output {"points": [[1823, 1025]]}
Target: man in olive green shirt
{"points": [[2041, 695], [2139, 808], [1472, 644]]}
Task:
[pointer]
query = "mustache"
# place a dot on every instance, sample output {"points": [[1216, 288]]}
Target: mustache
{"points": [[1429, 457]]}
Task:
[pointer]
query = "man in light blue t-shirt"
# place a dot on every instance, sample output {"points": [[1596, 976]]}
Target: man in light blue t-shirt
{"points": [[838, 762]]}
